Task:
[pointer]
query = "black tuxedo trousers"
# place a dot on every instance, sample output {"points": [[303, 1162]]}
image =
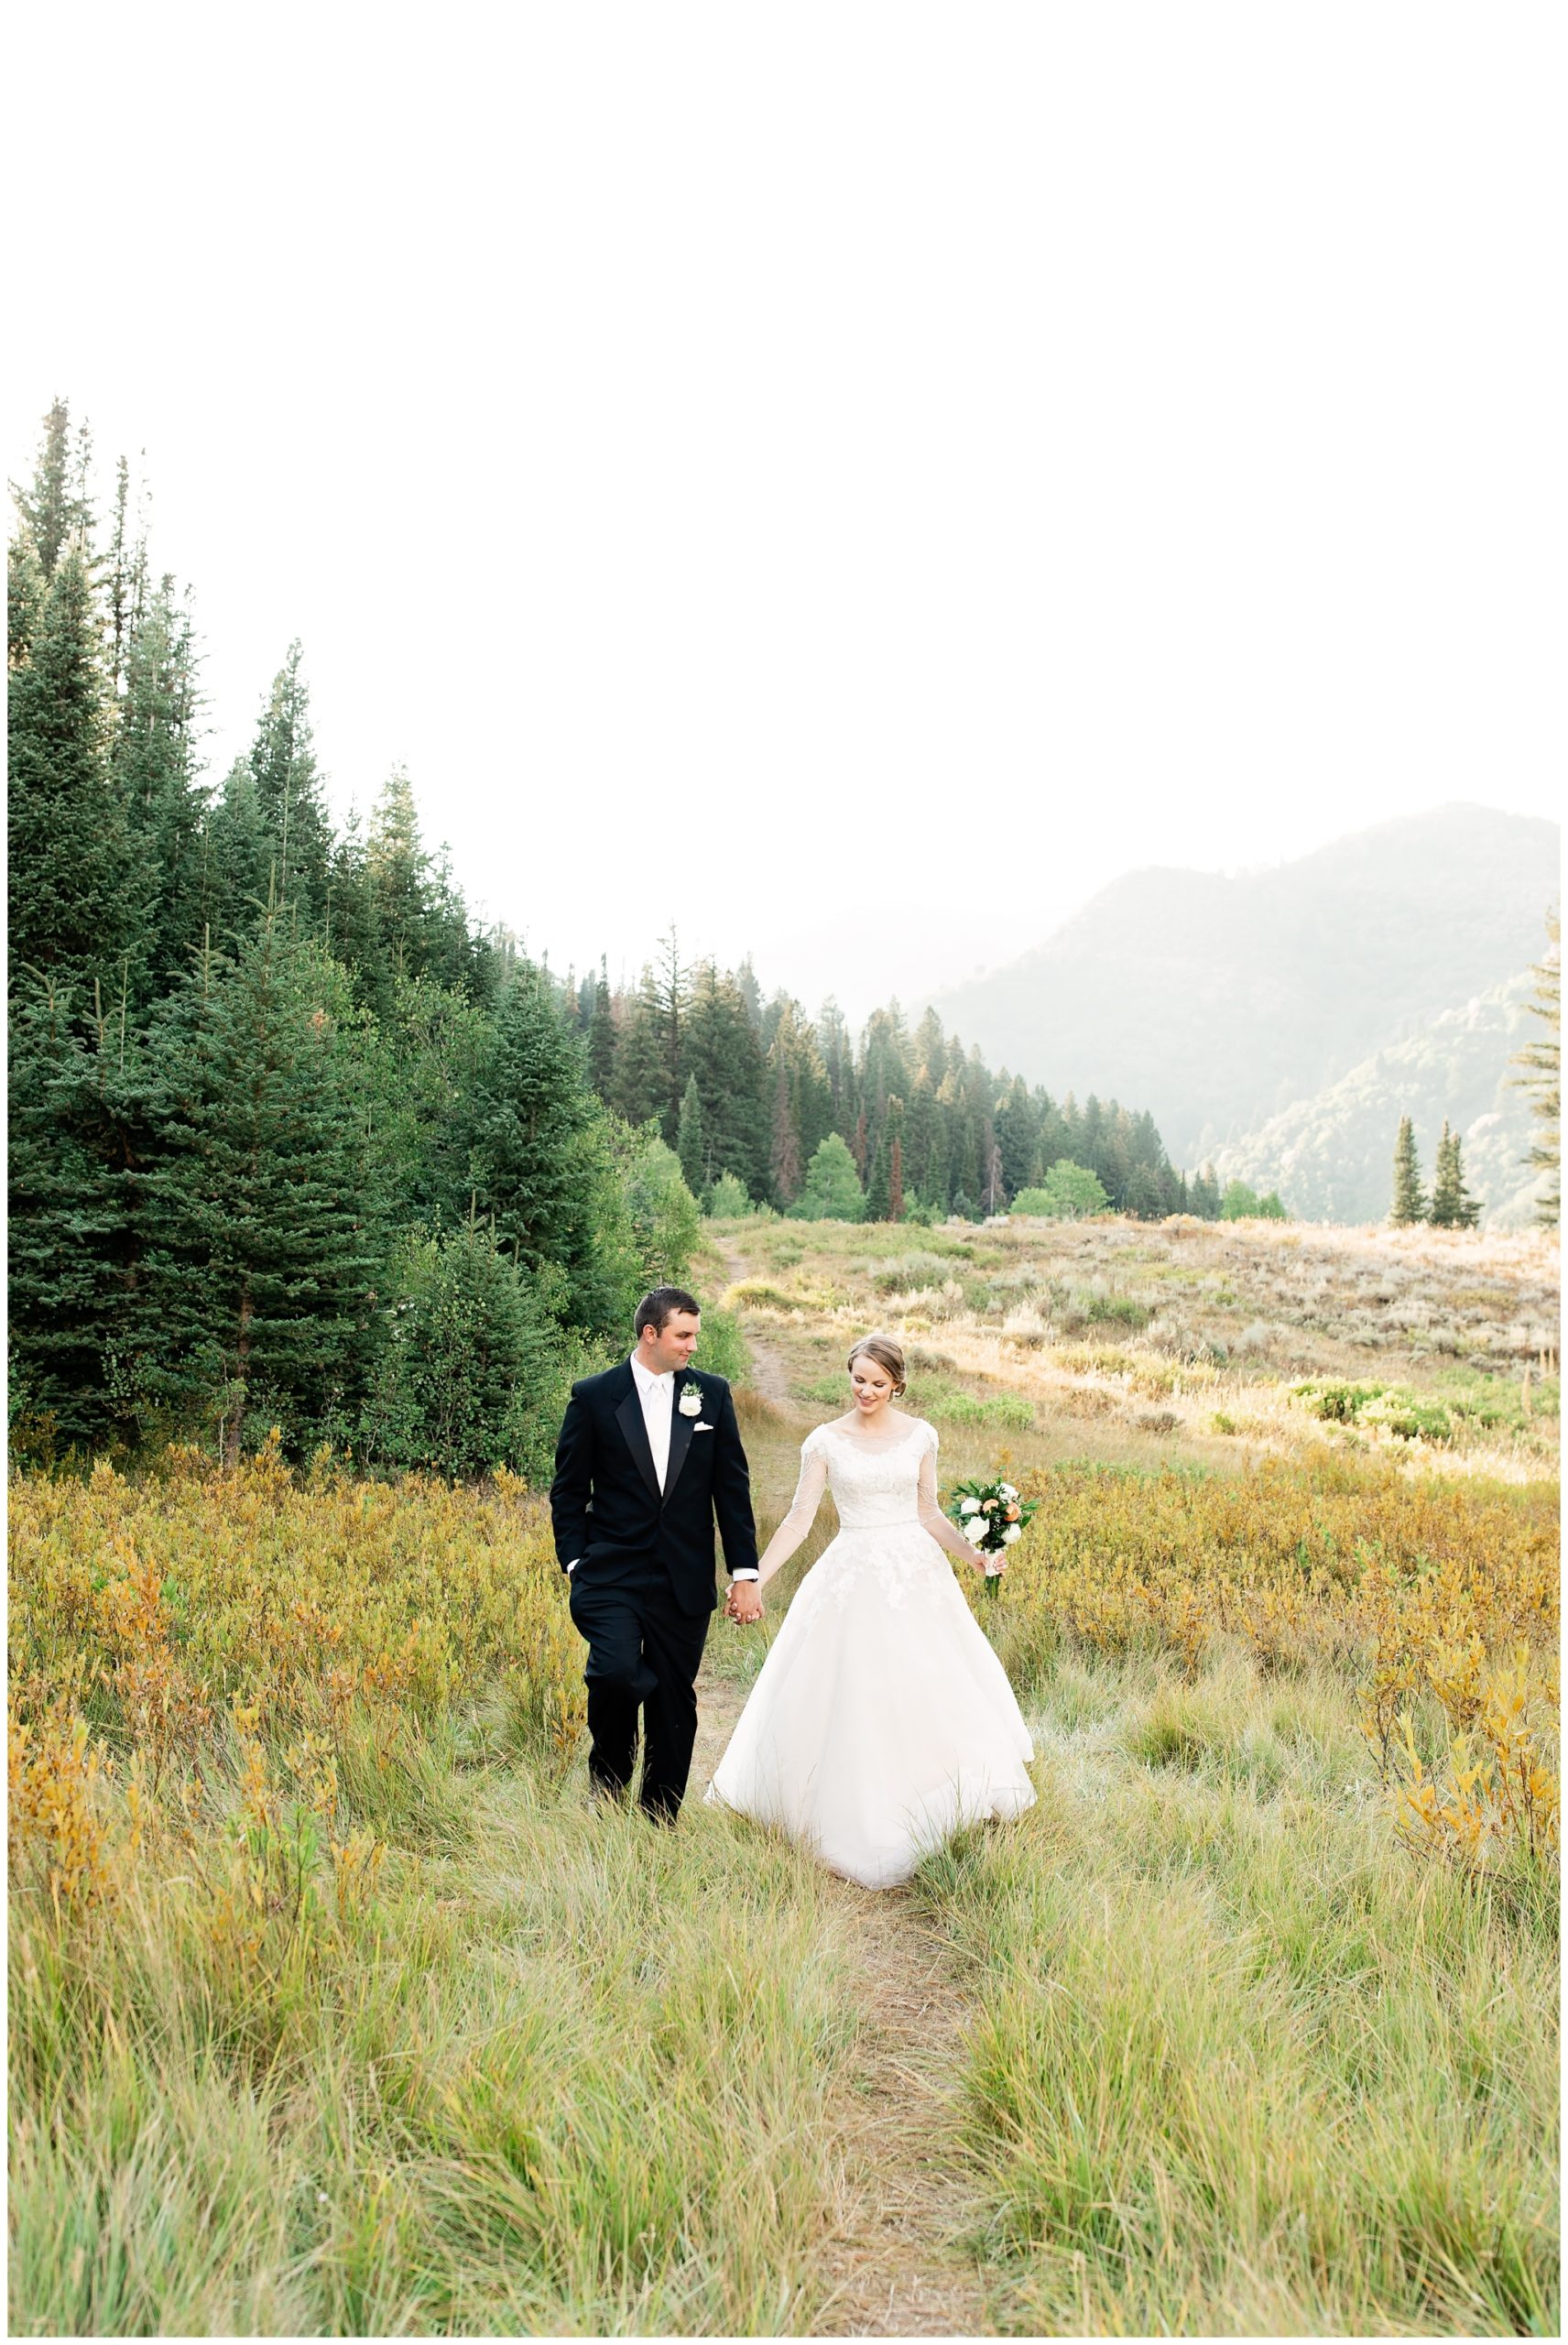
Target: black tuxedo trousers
{"points": [[642, 1589]]}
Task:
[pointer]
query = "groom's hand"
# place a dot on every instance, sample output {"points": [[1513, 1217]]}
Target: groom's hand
{"points": [[745, 1602]]}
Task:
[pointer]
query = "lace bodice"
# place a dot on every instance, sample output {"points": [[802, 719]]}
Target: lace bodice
{"points": [[875, 1488], [873, 1485]]}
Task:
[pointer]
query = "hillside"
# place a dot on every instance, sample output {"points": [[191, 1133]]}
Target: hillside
{"points": [[1219, 1001], [1330, 1154]]}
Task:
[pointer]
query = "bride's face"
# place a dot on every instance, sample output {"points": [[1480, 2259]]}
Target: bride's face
{"points": [[871, 1384]]}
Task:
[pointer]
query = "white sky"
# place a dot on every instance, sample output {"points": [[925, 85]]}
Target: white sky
{"points": [[854, 477]]}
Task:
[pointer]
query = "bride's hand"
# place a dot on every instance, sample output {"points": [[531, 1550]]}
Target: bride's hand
{"points": [[744, 1602], [984, 1562]]}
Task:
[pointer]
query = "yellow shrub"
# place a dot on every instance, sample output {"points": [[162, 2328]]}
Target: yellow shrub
{"points": [[304, 1607], [1439, 1588]]}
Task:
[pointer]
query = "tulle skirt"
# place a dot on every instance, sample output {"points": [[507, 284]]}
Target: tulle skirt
{"points": [[881, 1719]]}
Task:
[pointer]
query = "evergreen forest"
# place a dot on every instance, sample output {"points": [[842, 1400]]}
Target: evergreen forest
{"points": [[296, 1140]]}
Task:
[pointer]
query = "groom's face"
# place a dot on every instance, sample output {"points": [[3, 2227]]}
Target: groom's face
{"points": [[674, 1344]]}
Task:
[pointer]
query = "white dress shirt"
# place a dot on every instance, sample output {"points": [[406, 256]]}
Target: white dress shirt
{"points": [[656, 1394]]}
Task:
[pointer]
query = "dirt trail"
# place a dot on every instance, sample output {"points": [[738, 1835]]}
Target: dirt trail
{"points": [[767, 1374], [905, 2196]]}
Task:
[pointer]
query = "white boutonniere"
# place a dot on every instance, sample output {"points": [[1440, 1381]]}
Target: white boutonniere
{"points": [[690, 1399]]}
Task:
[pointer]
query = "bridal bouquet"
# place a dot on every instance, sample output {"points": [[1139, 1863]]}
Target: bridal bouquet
{"points": [[991, 1515]]}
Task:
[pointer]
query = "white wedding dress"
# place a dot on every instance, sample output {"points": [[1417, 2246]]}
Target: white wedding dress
{"points": [[881, 1719]]}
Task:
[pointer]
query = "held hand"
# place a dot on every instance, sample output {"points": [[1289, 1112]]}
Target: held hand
{"points": [[744, 1602]]}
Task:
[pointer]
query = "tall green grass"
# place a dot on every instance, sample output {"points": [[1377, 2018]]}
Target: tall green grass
{"points": [[565, 2074], [1240, 2065]]}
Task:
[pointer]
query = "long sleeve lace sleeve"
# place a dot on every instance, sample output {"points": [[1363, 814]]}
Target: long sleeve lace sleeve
{"points": [[946, 1533], [802, 1511]]}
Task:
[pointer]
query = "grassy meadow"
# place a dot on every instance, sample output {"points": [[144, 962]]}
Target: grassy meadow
{"points": [[334, 2008]]}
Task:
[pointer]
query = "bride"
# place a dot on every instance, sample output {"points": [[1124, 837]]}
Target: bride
{"points": [[881, 1718]]}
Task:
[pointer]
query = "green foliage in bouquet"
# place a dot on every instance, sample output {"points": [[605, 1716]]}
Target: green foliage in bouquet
{"points": [[992, 1517]]}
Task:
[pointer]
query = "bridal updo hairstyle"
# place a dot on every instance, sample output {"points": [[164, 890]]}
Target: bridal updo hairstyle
{"points": [[888, 1356]]}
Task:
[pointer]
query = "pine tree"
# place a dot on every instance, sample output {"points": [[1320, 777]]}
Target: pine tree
{"points": [[690, 1149], [398, 871], [418, 918], [1017, 1126], [70, 864], [1410, 1199], [1452, 1207], [925, 1154], [1205, 1194], [290, 794], [125, 585], [55, 511], [994, 1195], [424, 1055], [1542, 1075], [750, 992], [270, 1239], [838, 1063], [785, 1155], [155, 766], [544, 1165], [885, 1061], [673, 999], [351, 928], [238, 862], [25, 587], [83, 1320], [724, 1052], [532, 1106], [1143, 1199], [881, 1202], [602, 1038], [640, 1083], [788, 1034]]}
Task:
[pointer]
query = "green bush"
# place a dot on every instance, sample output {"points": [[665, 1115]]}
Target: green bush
{"points": [[664, 1216], [1241, 1202], [832, 1190], [963, 1408], [1409, 1419], [727, 1199], [1120, 1310], [1404, 1413], [910, 1271], [472, 1372], [1337, 1403], [721, 1347], [1068, 1193]]}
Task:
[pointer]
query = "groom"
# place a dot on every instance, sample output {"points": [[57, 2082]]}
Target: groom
{"points": [[650, 1454]]}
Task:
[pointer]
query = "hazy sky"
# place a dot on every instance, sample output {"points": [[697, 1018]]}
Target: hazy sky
{"points": [[852, 478]]}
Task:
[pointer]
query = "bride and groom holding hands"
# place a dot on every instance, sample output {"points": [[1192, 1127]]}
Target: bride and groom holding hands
{"points": [[881, 1719]]}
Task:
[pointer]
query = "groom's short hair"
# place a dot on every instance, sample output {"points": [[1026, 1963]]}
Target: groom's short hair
{"points": [[657, 1310]]}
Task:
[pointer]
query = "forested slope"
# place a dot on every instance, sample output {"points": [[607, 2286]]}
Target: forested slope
{"points": [[296, 1140]]}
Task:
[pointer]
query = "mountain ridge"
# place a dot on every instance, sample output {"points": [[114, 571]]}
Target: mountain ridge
{"points": [[1220, 1000]]}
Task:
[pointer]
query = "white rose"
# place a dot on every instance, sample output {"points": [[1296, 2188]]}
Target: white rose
{"points": [[1009, 1491], [969, 1506], [1011, 1533]]}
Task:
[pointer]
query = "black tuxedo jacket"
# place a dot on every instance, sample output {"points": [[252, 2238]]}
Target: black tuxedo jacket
{"points": [[605, 1501]]}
